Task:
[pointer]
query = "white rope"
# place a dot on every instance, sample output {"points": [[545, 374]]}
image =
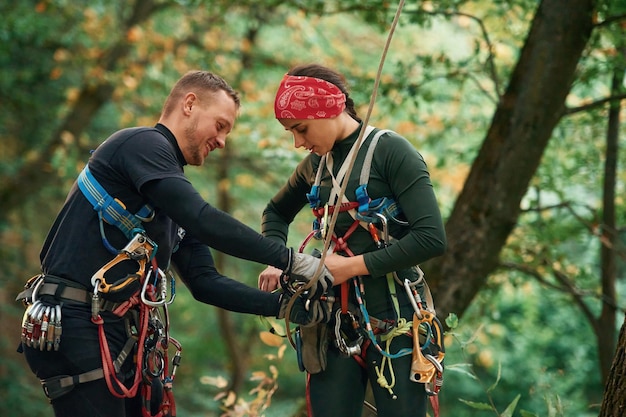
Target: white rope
{"points": [[342, 192]]}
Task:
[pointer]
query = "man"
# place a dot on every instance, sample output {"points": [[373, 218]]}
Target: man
{"points": [[103, 270]]}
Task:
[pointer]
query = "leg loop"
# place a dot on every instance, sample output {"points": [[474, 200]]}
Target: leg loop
{"points": [[60, 385]]}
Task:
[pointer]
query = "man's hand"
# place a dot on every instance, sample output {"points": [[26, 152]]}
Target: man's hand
{"points": [[302, 268], [303, 311]]}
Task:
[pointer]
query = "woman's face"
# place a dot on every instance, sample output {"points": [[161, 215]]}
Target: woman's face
{"points": [[319, 135]]}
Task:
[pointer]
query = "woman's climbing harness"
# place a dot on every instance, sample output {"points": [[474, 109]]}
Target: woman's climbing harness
{"points": [[353, 335]]}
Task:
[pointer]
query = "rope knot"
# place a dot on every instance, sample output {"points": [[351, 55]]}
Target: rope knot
{"points": [[340, 245]]}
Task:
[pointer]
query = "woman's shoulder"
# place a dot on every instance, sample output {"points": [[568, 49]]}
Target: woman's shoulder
{"points": [[392, 142]]}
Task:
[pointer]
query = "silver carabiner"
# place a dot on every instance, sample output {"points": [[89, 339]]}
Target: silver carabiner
{"points": [[414, 296], [383, 221], [354, 348], [38, 285], [144, 289]]}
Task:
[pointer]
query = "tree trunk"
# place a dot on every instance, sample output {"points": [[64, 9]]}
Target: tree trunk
{"points": [[487, 209], [614, 402], [237, 355], [605, 325]]}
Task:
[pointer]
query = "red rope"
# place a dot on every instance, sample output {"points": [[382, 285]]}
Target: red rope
{"points": [[117, 388]]}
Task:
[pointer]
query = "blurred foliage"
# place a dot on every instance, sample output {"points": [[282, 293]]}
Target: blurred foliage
{"points": [[448, 64]]}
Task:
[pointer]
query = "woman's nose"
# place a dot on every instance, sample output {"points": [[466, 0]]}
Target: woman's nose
{"points": [[298, 142]]}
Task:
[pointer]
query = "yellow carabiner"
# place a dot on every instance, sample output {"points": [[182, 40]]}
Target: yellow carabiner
{"points": [[139, 249]]}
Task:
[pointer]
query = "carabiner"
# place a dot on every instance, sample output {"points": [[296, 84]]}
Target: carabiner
{"points": [[95, 299], [354, 347], [383, 222], [144, 289], [414, 297]]}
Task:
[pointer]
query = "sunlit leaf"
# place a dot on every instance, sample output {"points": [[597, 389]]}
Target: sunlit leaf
{"points": [[476, 406], [271, 339], [452, 321], [216, 381]]}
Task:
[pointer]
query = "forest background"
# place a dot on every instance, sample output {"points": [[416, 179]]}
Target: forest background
{"points": [[515, 105]]}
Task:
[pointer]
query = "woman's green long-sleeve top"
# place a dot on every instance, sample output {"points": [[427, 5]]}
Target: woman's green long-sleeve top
{"points": [[397, 171]]}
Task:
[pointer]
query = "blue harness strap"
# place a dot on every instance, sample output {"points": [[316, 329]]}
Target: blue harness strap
{"points": [[112, 210]]}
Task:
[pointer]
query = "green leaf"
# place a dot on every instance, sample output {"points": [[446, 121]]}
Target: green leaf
{"points": [[461, 368], [477, 406], [452, 321], [495, 384], [525, 413], [511, 408]]}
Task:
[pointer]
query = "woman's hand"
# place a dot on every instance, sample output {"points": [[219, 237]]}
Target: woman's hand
{"points": [[269, 279], [343, 268]]}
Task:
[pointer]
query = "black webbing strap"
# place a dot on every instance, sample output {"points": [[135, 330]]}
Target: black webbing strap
{"points": [[61, 291], [57, 386], [60, 385]]}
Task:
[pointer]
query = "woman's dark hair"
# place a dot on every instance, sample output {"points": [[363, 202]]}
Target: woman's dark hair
{"points": [[324, 73]]}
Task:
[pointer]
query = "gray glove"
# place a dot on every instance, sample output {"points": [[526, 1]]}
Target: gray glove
{"points": [[302, 268], [303, 311]]}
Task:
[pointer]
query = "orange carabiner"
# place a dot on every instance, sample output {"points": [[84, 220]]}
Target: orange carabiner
{"points": [[424, 367]]}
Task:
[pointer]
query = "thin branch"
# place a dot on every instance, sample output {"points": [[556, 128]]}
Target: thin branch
{"points": [[566, 286], [485, 34], [598, 229], [593, 105], [611, 20]]}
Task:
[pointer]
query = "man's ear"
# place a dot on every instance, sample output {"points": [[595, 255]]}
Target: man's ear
{"points": [[188, 102]]}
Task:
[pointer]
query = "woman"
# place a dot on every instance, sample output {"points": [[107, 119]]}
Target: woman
{"points": [[313, 104]]}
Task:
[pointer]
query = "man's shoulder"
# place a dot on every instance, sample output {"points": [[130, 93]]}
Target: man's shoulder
{"points": [[133, 140], [135, 133]]}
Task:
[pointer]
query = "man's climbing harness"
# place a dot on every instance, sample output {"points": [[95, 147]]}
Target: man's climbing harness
{"points": [[151, 332], [141, 298], [143, 294]]}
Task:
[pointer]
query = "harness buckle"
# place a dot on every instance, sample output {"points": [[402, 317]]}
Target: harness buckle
{"points": [[324, 223]]}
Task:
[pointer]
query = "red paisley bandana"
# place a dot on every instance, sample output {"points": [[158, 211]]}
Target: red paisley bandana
{"points": [[300, 97]]}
